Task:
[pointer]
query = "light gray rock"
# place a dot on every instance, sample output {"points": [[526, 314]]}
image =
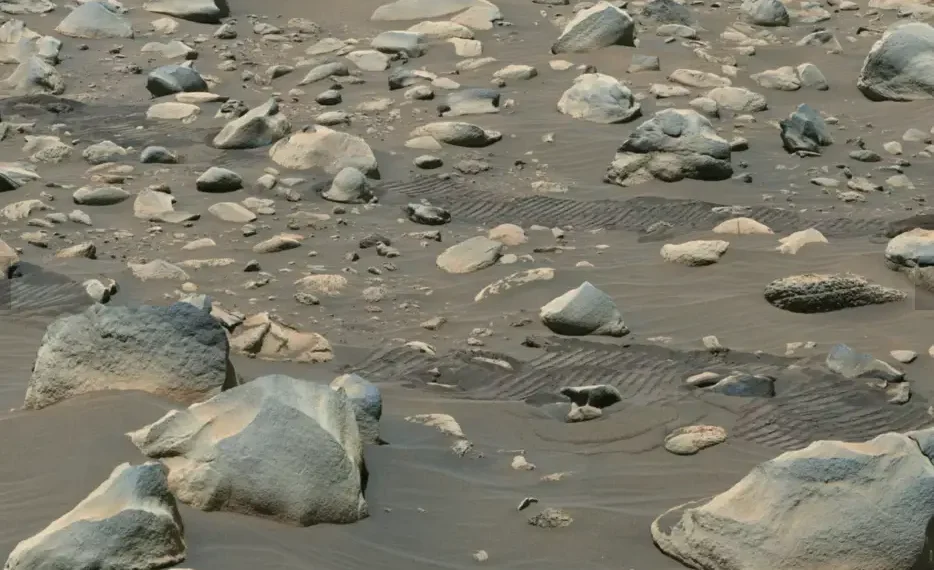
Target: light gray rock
{"points": [[699, 79], [105, 151], [913, 248], [599, 98], [821, 293], [458, 134], [470, 255], [409, 44], [327, 149], [201, 11], [349, 186], [805, 130], [99, 195], [158, 269], [172, 79], [129, 521], [177, 352], [369, 60], [668, 12], [232, 212], [95, 21], [585, 310], [848, 363], [171, 50], [765, 12], [157, 155], [290, 450], [423, 9], [673, 145], [875, 524], [596, 27], [738, 99], [262, 126], [217, 179], [898, 66], [367, 402], [324, 71], [784, 78], [35, 76], [695, 253], [470, 101], [811, 77]]}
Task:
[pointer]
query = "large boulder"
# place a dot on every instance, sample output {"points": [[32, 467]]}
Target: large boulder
{"points": [[260, 127], [673, 145], [287, 449], [178, 352], [95, 21], [367, 402], [583, 311], [129, 521], [900, 66], [202, 11], [596, 27], [805, 130], [599, 98], [822, 293], [830, 505], [912, 254], [325, 149]]}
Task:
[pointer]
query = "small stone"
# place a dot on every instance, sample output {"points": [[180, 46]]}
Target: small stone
{"points": [[904, 356]]}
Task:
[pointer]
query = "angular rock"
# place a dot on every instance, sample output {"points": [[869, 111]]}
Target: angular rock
{"points": [[129, 521], [427, 215], [738, 99], [673, 145], [232, 212], [805, 130], [408, 44], [585, 310], [699, 79], [324, 71], [350, 186], [600, 99], [157, 269], [95, 21], [157, 155], [470, 255], [596, 27], [821, 293], [471, 101], [262, 126], [668, 12], [781, 79], [172, 79], [178, 352], [458, 134], [848, 363], [201, 11], [765, 12], [794, 242], [35, 76], [264, 337], [105, 151], [897, 67], [875, 524], [326, 149], [695, 253], [423, 9], [515, 280], [367, 402], [297, 441], [910, 249]]}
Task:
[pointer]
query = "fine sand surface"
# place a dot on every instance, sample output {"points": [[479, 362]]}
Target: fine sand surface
{"points": [[430, 508]]}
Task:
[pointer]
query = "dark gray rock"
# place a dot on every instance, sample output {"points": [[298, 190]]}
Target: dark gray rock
{"points": [[822, 293], [599, 26], [597, 396], [290, 450], [668, 12], [427, 215], [898, 227], [805, 130], [157, 155], [367, 402], [400, 78], [848, 363], [216, 179], [172, 79], [897, 67], [743, 385], [129, 521], [177, 351]]}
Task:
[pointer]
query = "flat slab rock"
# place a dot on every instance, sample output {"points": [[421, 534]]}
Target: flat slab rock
{"points": [[821, 293]]}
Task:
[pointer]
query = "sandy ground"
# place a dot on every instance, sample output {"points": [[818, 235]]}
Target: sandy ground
{"points": [[430, 508]]}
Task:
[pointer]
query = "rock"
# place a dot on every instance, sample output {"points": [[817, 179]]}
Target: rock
{"points": [[673, 145], [740, 384], [471, 101], [458, 134], [910, 249], [516, 72], [585, 310], [782, 79], [442, 30], [668, 12], [428, 162], [427, 215], [86, 250], [349, 186], [171, 79], [515, 280], [470, 255], [444, 423], [904, 356], [46, 148], [742, 226], [324, 71], [95, 21], [178, 352], [821, 293], [262, 126], [691, 439], [765, 12], [106, 151], [811, 77], [367, 402], [794, 242], [676, 31], [596, 27], [896, 68], [584, 413], [171, 50], [848, 363], [157, 269], [297, 440], [805, 130], [99, 196], [232, 212], [600, 99], [738, 99], [201, 11], [551, 518], [330, 285], [216, 179], [149, 204], [424, 9], [281, 242], [157, 155], [327, 149], [641, 62], [173, 111], [597, 396], [695, 253], [129, 521], [788, 490], [508, 234], [369, 60], [23, 209], [35, 76], [408, 44], [264, 337], [699, 79]]}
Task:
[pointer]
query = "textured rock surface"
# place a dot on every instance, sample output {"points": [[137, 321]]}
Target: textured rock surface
{"points": [[583, 311], [596, 27], [600, 99], [898, 66], [821, 293], [289, 450], [367, 402]]}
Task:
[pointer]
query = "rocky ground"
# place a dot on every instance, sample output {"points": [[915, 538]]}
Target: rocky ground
{"points": [[449, 283]]}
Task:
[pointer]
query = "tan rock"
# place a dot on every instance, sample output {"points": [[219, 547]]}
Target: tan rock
{"points": [[742, 226]]}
